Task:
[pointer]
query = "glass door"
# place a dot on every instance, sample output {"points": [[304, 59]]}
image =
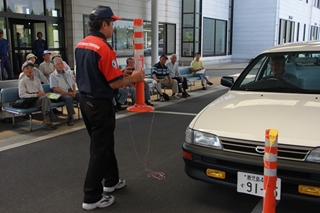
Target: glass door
{"points": [[23, 34]]}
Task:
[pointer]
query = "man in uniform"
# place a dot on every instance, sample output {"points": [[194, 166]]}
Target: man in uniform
{"points": [[39, 46], [5, 62], [98, 75]]}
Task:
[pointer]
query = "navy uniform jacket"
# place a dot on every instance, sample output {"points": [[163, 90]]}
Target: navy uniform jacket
{"points": [[97, 66], [4, 46]]}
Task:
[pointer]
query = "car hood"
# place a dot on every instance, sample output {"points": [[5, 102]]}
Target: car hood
{"points": [[246, 115]]}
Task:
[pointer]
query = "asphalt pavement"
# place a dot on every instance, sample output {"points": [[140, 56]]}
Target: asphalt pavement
{"points": [[45, 173]]}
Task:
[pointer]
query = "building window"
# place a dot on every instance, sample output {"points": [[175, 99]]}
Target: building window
{"points": [[122, 38], [54, 35], [54, 8], [286, 32], [314, 33], [298, 31], [214, 37], [230, 24], [304, 32], [86, 29], [33, 7], [3, 27], [1, 6], [191, 27]]}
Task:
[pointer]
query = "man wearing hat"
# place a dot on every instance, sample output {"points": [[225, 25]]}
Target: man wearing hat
{"points": [[98, 76], [5, 62], [66, 67], [36, 72], [39, 47], [30, 87], [32, 58], [161, 75], [46, 67]]}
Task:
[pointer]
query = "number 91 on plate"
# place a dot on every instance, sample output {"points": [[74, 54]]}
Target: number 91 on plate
{"points": [[253, 184]]}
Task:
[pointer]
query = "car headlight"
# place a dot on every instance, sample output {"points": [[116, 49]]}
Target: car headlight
{"points": [[202, 139], [314, 155]]}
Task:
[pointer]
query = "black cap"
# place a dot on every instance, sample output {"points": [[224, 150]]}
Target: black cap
{"points": [[163, 56], [27, 63], [1, 31], [102, 12]]}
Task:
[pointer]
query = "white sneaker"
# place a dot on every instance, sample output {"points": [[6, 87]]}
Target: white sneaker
{"points": [[162, 99], [175, 97], [119, 185], [105, 201]]}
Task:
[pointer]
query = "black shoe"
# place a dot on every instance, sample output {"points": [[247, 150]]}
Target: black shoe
{"points": [[187, 93], [148, 103], [49, 127], [55, 111], [70, 121], [119, 107], [115, 109], [210, 83], [184, 95], [6, 120], [203, 88]]}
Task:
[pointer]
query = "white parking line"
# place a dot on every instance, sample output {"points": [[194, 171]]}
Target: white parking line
{"points": [[15, 142]]}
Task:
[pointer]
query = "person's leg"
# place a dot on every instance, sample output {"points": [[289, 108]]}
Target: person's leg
{"points": [[158, 88], [133, 94], [99, 118], [175, 86], [45, 104], [69, 105], [179, 81], [2, 68], [146, 93], [185, 84], [123, 96], [8, 67]]}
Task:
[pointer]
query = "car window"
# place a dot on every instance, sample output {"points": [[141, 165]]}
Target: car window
{"points": [[294, 72]]}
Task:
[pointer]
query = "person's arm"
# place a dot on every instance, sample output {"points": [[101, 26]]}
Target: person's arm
{"points": [[136, 76], [170, 80], [192, 67], [41, 76], [154, 74]]}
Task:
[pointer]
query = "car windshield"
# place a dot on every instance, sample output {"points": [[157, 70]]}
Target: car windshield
{"points": [[294, 72]]}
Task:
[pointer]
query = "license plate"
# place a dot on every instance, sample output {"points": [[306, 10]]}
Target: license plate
{"points": [[253, 184]]}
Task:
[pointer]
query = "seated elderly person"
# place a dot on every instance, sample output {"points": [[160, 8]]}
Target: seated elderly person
{"points": [[161, 75], [132, 88], [66, 67], [46, 67], [277, 64], [30, 87], [36, 72], [63, 84]]}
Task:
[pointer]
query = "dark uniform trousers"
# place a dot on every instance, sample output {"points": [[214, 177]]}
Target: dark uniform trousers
{"points": [[99, 118]]}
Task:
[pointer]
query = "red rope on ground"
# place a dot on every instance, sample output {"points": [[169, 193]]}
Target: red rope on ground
{"points": [[156, 175]]}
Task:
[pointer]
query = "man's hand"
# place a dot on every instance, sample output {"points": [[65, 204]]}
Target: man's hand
{"points": [[39, 94], [72, 94], [138, 75], [127, 71]]}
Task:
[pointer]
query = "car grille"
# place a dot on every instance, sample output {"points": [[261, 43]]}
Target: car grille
{"points": [[297, 153]]}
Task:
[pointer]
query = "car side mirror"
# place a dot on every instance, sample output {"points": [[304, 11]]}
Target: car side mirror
{"points": [[227, 81]]}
